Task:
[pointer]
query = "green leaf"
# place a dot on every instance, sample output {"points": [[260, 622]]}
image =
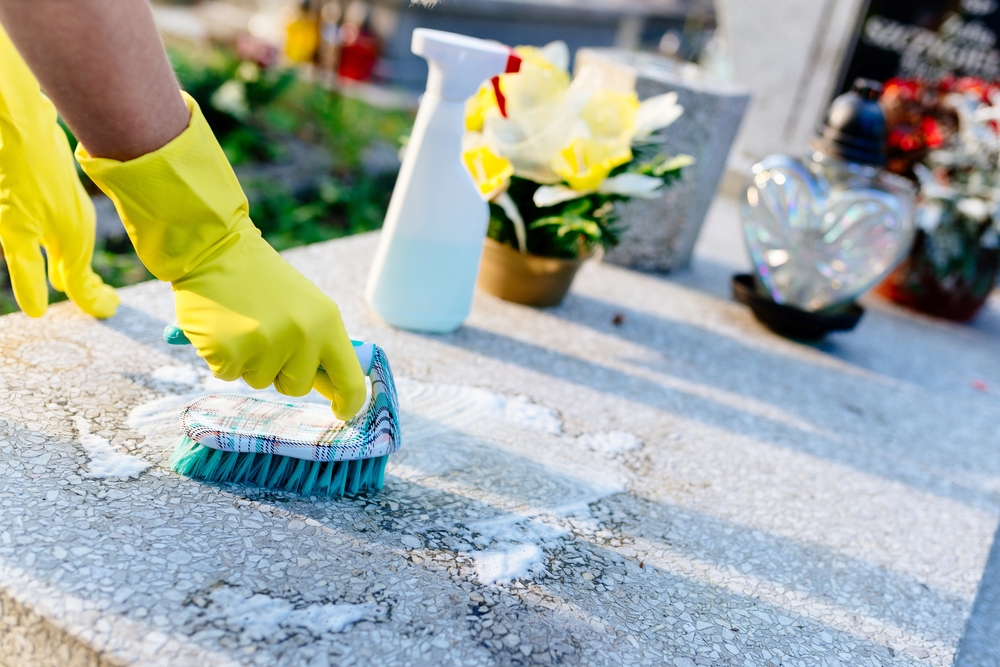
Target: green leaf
{"points": [[588, 228], [675, 163], [551, 221]]}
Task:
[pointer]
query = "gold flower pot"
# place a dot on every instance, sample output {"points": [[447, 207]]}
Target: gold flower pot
{"points": [[528, 279]]}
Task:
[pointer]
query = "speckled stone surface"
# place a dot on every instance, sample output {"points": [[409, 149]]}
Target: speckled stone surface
{"points": [[681, 488]]}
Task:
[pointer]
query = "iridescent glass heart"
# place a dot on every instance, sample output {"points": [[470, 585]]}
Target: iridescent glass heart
{"points": [[819, 238]]}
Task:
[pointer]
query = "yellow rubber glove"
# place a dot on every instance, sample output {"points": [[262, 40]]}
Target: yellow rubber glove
{"points": [[244, 308], [42, 202]]}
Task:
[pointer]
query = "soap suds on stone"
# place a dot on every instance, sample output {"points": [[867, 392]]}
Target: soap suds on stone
{"points": [[459, 406], [262, 617], [518, 561], [610, 443], [515, 547], [184, 375], [522, 411], [106, 462]]}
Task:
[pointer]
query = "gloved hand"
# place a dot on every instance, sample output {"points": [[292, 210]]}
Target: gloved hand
{"points": [[244, 308], [42, 202]]}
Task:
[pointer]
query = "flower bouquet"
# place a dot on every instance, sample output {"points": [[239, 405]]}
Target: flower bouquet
{"points": [[553, 155], [945, 137]]}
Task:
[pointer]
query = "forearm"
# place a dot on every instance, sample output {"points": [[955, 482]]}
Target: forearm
{"points": [[102, 64]]}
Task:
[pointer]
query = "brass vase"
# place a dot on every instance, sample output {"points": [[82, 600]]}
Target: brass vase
{"points": [[527, 279]]}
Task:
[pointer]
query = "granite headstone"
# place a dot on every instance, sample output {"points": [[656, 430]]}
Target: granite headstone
{"points": [[928, 39], [660, 233]]}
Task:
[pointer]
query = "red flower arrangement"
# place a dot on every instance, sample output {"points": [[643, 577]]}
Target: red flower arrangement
{"points": [[917, 122], [945, 136]]}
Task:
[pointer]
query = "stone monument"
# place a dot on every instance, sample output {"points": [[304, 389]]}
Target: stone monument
{"points": [[660, 233], [790, 54]]}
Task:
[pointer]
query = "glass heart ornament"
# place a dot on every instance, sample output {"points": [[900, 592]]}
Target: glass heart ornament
{"points": [[822, 232]]}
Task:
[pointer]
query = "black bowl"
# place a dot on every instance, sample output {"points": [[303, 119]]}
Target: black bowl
{"points": [[790, 321]]}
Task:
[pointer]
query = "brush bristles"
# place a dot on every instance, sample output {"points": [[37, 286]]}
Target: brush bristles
{"points": [[284, 473]]}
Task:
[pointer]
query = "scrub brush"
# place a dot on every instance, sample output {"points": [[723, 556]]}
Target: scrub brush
{"points": [[296, 447]]}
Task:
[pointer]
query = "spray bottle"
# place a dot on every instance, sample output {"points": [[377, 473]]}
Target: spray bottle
{"points": [[428, 256]]}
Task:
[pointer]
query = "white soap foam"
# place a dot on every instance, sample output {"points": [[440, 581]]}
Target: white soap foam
{"points": [[186, 374], [260, 616], [458, 407], [106, 462], [330, 617], [165, 411], [513, 528], [610, 442], [517, 561], [516, 548], [520, 410]]}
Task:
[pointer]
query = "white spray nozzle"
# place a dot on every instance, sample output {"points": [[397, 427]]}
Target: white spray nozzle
{"points": [[458, 64]]}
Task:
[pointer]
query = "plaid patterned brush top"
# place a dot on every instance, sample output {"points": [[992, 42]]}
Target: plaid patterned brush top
{"points": [[237, 423]]}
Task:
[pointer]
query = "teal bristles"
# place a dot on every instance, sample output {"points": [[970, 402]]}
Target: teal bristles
{"points": [[283, 473]]}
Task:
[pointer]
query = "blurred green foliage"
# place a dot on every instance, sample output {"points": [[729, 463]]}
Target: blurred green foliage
{"points": [[116, 267], [333, 209], [231, 94], [117, 264], [345, 125], [252, 111]]}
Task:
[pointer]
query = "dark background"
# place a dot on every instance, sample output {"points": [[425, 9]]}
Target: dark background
{"points": [[872, 62]]}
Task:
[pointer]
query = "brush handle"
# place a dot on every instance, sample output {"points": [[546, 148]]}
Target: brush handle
{"points": [[365, 352]]}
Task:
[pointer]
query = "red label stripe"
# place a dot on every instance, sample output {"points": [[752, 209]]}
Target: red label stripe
{"points": [[513, 66], [501, 101], [513, 63]]}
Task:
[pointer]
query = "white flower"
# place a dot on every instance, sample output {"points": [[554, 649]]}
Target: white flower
{"points": [[557, 53], [930, 188], [929, 215], [231, 98], [657, 113], [504, 201], [556, 130], [550, 195], [247, 71], [626, 185], [678, 161], [632, 185], [974, 208]]}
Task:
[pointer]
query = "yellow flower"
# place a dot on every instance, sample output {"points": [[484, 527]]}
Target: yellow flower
{"points": [[532, 55], [478, 106], [537, 82], [301, 39], [585, 163], [610, 114], [490, 171]]}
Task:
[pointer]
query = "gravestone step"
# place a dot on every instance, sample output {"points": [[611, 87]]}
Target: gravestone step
{"points": [[640, 476]]}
